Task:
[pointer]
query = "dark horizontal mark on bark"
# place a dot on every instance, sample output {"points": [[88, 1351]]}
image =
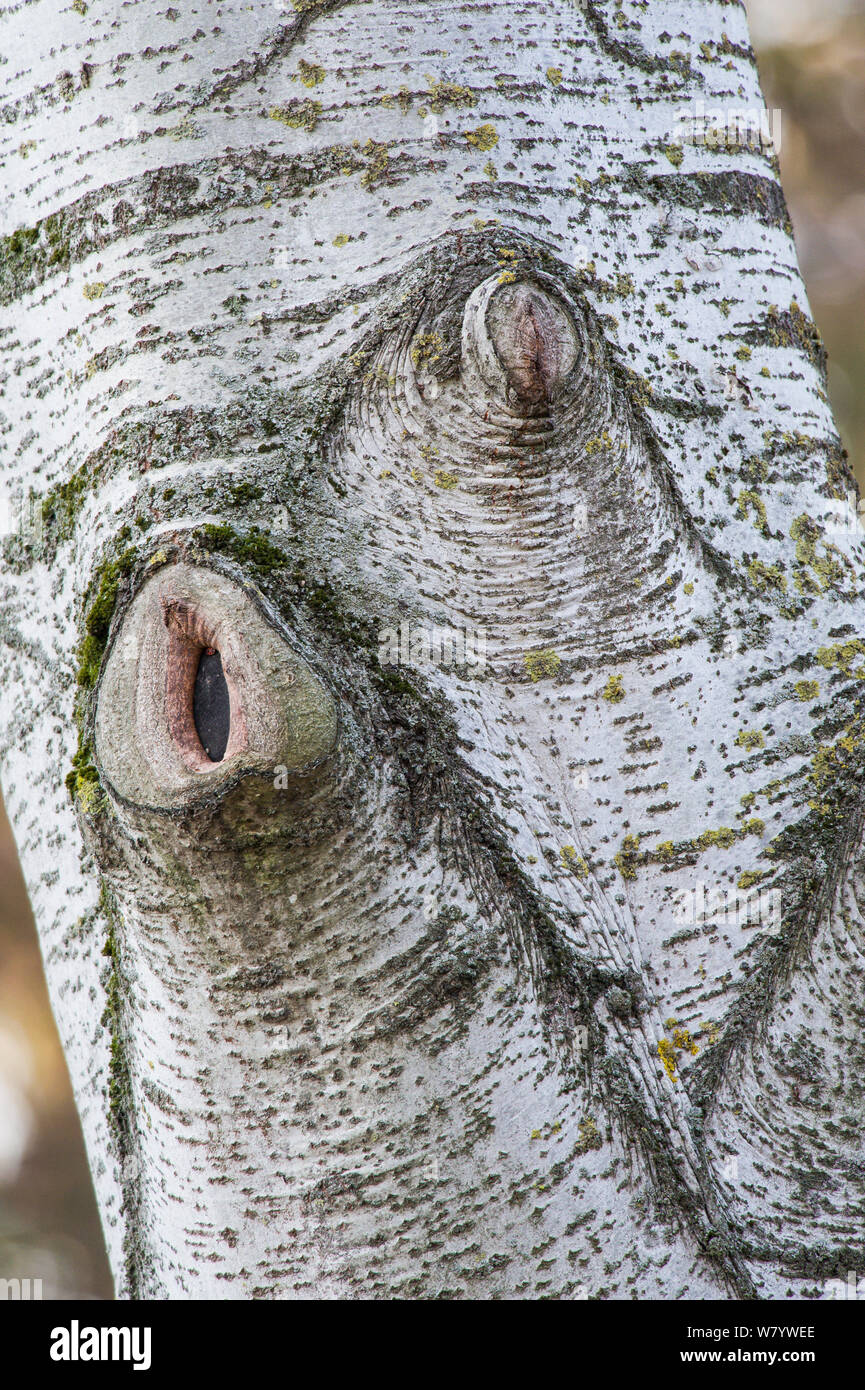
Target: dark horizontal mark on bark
{"points": [[734, 193], [791, 328], [817, 1261], [686, 410], [164, 196], [632, 53]]}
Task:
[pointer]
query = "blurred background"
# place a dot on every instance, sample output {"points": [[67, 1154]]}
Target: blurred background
{"points": [[49, 1226], [812, 62]]}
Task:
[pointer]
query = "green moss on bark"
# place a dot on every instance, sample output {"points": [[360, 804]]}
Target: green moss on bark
{"points": [[98, 620]]}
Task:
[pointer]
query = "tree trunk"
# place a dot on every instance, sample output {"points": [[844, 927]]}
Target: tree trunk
{"points": [[450, 375]]}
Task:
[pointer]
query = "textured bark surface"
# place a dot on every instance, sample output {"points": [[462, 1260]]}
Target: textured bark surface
{"points": [[404, 317]]}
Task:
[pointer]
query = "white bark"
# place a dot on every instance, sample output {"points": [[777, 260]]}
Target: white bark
{"points": [[420, 1021]]}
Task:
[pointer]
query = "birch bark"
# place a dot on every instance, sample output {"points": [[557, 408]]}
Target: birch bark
{"points": [[364, 331]]}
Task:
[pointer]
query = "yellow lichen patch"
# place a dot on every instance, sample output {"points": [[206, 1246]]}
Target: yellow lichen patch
{"points": [[91, 798], [378, 167], [554, 77], [830, 760], [541, 663], [749, 878], [670, 1048], [841, 655], [444, 479], [722, 838], [427, 348], [94, 291], [667, 1054], [815, 573], [484, 138], [749, 738], [444, 93], [508, 261], [626, 857], [341, 239], [613, 691], [598, 443], [766, 576], [748, 502], [299, 113], [684, 1042], [753, 827], [310, 73], [573, 862], [589, 1136], [184, 130], [807, 690], [675, 154], [381, 375]]}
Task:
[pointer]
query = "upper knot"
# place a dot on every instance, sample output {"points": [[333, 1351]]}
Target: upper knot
{"points": [[531, 341], [521, 339]]}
